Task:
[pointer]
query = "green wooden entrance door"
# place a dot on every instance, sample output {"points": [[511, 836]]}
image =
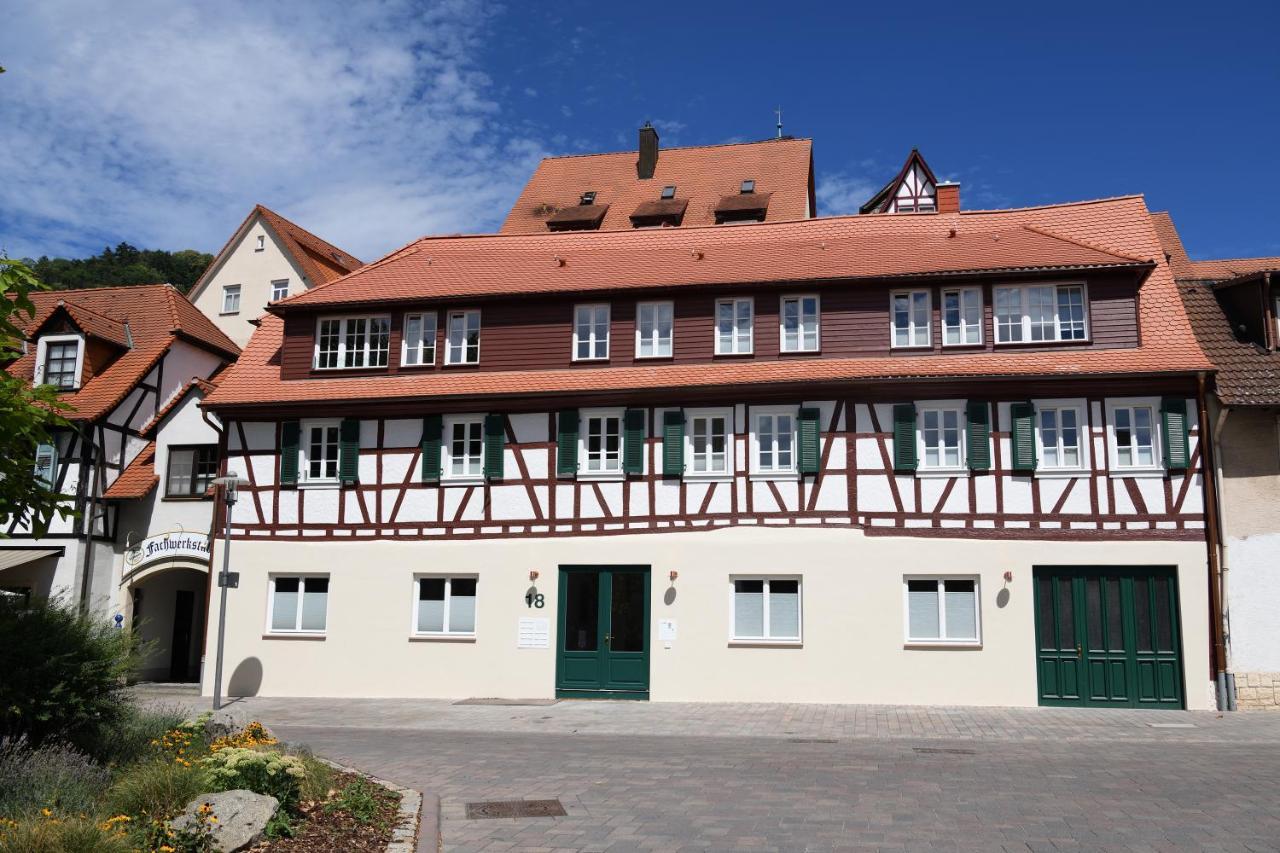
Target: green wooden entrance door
{"points": [[1108, 636], [603, 638]]}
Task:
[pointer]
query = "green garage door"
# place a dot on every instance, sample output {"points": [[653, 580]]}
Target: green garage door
{"points": [[1107, 637]]}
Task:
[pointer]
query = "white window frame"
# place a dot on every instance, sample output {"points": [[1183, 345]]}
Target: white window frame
{"points": [[1081, 408], [766, 639], [965, 294], [1156, 468], [276, 285], [262, 243], [229, 290], [42, 354], [800, 298], [585, 417], [465, 314], [960, 407], [592, 340], [367, 349], [917, 338], [1024, 301], [304, 452], [297, 630], [774, 473], [735, 338], [655, 338], [942, 640], [425, 341], [446, 450], [690, 416], [448, 600]]}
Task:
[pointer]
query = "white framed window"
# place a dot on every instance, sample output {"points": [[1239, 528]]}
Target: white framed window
{"points": [[655, 323], [773, 442], [591, 332], [419, 345], [765, 609], [735, 321], [941, 610], [909, 320], [1133, 435], [462, 450], [299, 604], [1041, 312], [600, 443], [961, 316], [319, 451], [279, 289], [941, 436], [231, 299], [799, 323], [59, 361], [444, 606], [463, 344], [1062, 436], [261, 243], [352, 342], [708, 443]]}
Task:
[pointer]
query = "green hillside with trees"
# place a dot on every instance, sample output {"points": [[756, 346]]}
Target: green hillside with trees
{"points": [[125, 264]]}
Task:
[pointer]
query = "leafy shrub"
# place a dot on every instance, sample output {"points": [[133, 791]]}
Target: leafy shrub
{"points": [[54, 835], [358, 799], [317, 784], [134, 736], [63, 673], [54, 776], [261, 772], [157, 789]]}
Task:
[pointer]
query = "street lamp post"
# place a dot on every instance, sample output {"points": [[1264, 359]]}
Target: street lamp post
{"points": [[225, 579]]}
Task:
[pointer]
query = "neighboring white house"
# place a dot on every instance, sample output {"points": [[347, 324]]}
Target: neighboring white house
{"points": [[267, 258]]}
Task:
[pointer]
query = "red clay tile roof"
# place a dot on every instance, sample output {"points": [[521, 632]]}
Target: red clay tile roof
{"points": [[1212, 270], [157, 315], [1066, 235], [701, 174], [1248, 375], [138, 479]]}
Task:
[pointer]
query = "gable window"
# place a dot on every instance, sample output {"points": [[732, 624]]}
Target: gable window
{"points": [[590, 332], [962, 316], [231, 299], [463, 448], [191, 470], [654, 321], [1036, 313], [708, 442], [941, 611], [799, 325], [1060, 436], [766, 609], [1134, 434], [350, 342], [941, 436], [419, 346], [600, 452], [463, 345], [59, 361], [773, 437], [299, 604], [734, 324], [261, 244], [279, 289], [910, 322], [319, 449], [445, 606]]}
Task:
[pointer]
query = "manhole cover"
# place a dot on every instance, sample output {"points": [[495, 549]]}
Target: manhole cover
{"points": [[515, 808], [937, 750]]}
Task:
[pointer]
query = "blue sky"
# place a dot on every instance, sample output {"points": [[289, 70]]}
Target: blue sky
{"points": [[375, 123]]}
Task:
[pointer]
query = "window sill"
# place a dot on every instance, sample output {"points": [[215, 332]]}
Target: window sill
{"points": [[734, 354], [1137, 473], [800, 351], [597, 360], [462, 481], [1069, 343], [462, 364], [724, 477], [1061, 473], [325, 485], [668, 357], [777, 477], [293, 635], [601, 476], [228, 313], [766, 644], [977, 345], [442, 638], [915, 347], [929, 473], [426, 365], [941, 645]]}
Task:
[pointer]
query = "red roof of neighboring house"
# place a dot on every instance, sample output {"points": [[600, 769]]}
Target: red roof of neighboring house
{"points": [[702, 174], [138, 479], [1248, 374], [1106, 233], [156, 314], [1184, 268]]}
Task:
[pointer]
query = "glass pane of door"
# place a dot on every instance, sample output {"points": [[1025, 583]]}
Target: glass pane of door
{"points": [[626, 613], [582, 612]]}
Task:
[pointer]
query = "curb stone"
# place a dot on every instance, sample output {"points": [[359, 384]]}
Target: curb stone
{"points": [[405, 836]]}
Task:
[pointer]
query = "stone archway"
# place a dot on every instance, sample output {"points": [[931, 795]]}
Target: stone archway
{"points": [[166, 607]]}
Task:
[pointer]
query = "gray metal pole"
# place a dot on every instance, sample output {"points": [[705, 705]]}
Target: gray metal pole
{"points": [[230, 501]]}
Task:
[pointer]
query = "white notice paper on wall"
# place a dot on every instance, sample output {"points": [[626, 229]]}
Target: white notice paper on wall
{"points": [[667, 630], [534, 634]]}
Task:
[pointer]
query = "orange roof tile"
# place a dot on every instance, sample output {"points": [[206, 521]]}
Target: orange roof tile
{"points": [[1184, 268], [319, 259], [138, 479]]}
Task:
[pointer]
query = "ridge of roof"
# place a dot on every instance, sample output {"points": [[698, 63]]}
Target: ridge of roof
{"points": [[631, 151], [1049, 206]]}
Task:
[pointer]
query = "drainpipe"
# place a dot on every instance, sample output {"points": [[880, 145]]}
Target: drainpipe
{"points": [[214, 526], [86, 570], [1213, 536], [1224, 563]]}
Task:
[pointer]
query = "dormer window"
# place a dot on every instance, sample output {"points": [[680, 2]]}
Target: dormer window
{"points": [[748, 186], [588, 197], [669, 192], [59, 360]]}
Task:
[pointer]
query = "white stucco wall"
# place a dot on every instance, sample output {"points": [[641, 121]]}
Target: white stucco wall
{"points": [[254, 271]]}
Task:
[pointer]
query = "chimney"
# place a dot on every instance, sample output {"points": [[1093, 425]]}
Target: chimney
{"points": [[648, 152], [948, 197]]}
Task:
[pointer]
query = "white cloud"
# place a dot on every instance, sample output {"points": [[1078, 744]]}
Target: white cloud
{"points": [[841, 193], [369, 123]]}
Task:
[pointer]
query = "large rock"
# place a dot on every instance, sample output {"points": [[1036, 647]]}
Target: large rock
{"points": [[242, 818]]}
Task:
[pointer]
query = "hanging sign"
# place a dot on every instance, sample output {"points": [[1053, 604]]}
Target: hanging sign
{"points": [[167, 546]]}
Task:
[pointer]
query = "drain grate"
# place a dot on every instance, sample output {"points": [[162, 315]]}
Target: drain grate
{"points": [[515, 808], [938, 750], [812, 740]]}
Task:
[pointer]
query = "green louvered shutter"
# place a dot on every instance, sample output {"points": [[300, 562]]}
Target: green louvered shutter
{"points": [[673, 443], [432, 430], [979, 436], [495, 436], [904, 438], [1173, 425], [349, 451], [290, 437], [809, 454], [567, 443], [1022, 436], [633, 441], [46, 469]]}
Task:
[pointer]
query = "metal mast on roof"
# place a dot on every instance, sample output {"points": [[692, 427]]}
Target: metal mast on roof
{"points": [[779, 112]]}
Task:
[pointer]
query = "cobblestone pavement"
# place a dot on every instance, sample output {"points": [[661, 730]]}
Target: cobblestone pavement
{"points": [[652, 776]]}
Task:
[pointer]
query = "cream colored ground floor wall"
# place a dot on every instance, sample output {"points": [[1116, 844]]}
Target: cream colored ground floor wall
{"points": [[852, 648], [1253, 594]]}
